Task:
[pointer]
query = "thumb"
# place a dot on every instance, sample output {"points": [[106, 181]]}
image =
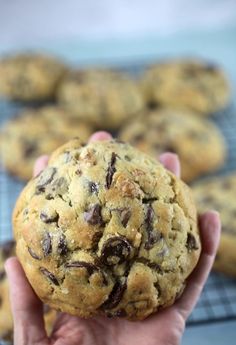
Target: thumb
{"points": [[27, 309]]}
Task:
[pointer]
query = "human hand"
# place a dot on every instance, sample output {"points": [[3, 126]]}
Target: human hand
{"points": [[165, 328]]}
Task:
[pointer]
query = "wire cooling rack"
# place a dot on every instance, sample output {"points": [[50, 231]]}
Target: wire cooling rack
{"points": [[218, 299]]}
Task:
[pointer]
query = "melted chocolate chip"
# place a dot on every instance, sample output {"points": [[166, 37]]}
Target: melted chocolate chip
{"points": [[2, 275], [62, 245], [150, 264], [115, 295], [30, 149], [191, 242], [47, 244], [93, 187], [7, 248], [111, 170], [93, 215], [115, 250], [152, 237], [33, 254], [49, 217], [58, 188], [91, 268], [45, 178], [49, 275], [125, 215]]}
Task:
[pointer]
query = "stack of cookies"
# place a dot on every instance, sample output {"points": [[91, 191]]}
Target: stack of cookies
{"points": [[167, 108]]}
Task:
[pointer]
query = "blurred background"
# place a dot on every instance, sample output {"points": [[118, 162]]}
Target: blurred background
{"points": [[131, 35]]}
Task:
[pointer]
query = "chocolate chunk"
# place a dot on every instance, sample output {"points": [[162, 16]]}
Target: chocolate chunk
{"points": [[33, 254], [115, 250], [93, 187], [150, 264], [111, 170], [47, 244], [62, 245], [93, 215], [191, 242], [30, 149], [115, 295], [45, 178], [7, 248], [152, 105], [152, 236], [138, 137], [49, 275], [58, 187], [91, 268], [49, 217], [2, 275], [125, 215]]}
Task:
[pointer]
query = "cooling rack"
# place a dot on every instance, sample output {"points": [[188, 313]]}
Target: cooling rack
{"points": [[218, 299]]}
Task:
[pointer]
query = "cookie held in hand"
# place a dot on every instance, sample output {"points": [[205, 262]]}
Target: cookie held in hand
{"points": [[106, 229]]}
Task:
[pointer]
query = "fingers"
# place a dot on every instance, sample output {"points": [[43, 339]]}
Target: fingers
{"points": [[99, 136], [27, 309], [171, 162], [40, 164], [210, 228]]}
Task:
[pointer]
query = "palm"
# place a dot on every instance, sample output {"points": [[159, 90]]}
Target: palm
{"points": [[164, 328]]}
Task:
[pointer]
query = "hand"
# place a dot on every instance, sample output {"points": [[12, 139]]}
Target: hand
{"points": [[164, 328]]}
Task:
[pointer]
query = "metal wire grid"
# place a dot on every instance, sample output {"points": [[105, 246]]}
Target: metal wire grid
{"points": [[218, 300]]}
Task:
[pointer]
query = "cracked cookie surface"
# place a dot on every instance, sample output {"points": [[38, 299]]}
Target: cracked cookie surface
{"points": [[7, 249], [37, 132], [187, 84], [30, 77], [106, 229], [198, 142], [105, 98], [219, 194]]}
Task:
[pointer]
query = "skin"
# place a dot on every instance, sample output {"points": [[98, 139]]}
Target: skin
{"points": [[164, 328]]}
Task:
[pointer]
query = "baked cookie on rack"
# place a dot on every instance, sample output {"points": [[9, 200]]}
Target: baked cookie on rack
{"points": [[219, 194], [105, 98], [187, 84], [36, 132], [30, 77], [198, 142], [106, 229]]}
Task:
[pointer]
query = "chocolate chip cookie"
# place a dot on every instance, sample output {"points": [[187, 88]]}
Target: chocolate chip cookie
{"points": [[187, 84], [34, 133], [199, 144], [30, 77], [7, 249], [219, 194], [106, 229], [103, 97]]}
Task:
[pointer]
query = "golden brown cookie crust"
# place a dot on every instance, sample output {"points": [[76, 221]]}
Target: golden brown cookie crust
{"points": [[198, 142], [105, 229]]}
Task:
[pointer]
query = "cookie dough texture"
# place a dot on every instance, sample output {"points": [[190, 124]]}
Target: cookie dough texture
{"points": [[7, 249], [198, 142], [219, 194], [103, 97], [105, 229], [187, 84], [30, 77], [34, 133]]}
